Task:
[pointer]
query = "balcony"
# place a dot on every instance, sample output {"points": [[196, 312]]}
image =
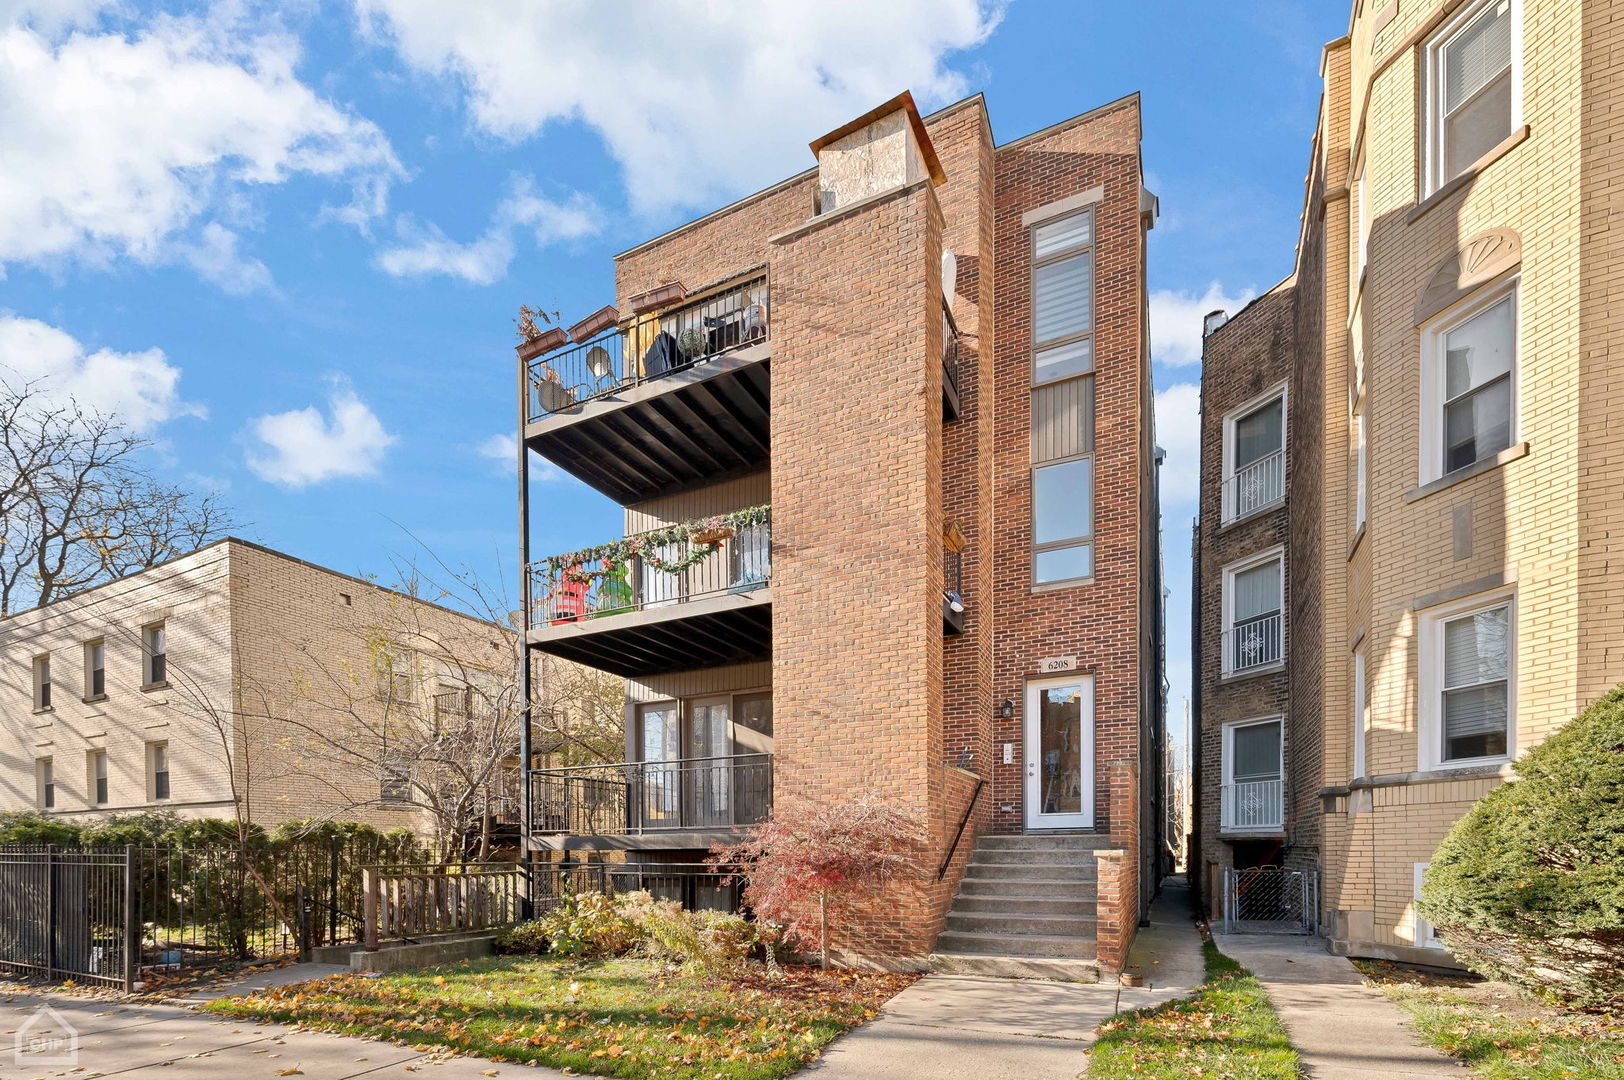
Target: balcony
{"points": [[1255, 486], [1254, 644], [678, 803], [1254, 807], [690, 596], [665, 401], [950, 366]]}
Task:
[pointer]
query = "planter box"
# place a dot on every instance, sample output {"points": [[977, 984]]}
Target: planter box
{"points": [[546, 343], [595, 323], [711, 536], [659, 296]]}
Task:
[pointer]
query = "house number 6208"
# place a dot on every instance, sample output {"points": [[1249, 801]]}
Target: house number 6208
{"points": [[1058, 663]]}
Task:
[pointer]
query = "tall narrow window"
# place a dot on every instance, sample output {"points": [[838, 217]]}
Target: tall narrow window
{"points": [[155, 655], [96, 776], [45, 782], [1254, 614], [158, 771], [1361, 467], [1253, 795], [95, 670], [42, 683], [660, 743], [1361, 190], [1475, 705], [1254, 457], [1063, 399], [1361, 715], [1473, 71], [1470, 363]]}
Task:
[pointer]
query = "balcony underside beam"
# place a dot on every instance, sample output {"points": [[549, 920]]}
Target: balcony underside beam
{"points": [[684, 430], [711, 632]]}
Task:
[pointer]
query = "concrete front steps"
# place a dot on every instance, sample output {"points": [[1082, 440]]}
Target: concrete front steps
{"points": [[1025, 909]]}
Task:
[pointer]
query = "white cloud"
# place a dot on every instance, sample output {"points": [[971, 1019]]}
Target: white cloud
{"points": [[696, 100], [428, 251], [1178, 431], [142, 389], [307, 447], [503, 449], [1175, 320], [132, 146]]}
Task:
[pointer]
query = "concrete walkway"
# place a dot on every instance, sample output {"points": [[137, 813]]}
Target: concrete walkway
{"points": [[180, 1044], [1343, 1029], [970, 1027]]}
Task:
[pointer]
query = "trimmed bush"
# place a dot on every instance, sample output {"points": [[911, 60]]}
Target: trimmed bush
{"points": [[589, 924], [525, 939], [1529, 885]]}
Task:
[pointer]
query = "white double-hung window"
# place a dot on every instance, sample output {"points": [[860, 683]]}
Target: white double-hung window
{"points": [[1253, 796], [1468, 675], [1469, 384], [1254, 634], [1473, 87], [1255, 456]]}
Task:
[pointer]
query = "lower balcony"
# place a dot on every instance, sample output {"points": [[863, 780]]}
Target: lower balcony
{"points": [[694, 595], [1254, 807], [683, 803]]}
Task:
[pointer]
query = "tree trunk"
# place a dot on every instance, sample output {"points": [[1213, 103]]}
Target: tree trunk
{"points": [[823, 928]]}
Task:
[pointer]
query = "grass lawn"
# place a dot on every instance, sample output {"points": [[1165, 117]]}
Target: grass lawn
{"points": [[1226, 1031], [1500, 1033], [627, 1018]]}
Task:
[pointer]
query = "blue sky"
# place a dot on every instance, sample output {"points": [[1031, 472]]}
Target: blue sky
{"points": [[287, 240]]}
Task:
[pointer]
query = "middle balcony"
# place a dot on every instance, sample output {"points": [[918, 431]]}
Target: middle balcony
{"points": [[687, 596]]}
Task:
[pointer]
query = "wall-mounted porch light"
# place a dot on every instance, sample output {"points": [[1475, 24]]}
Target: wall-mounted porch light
{"points": [[1006, 711]]}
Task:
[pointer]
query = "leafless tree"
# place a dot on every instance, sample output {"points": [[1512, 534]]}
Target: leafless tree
{"points": [[430, 720], [78, 505]]}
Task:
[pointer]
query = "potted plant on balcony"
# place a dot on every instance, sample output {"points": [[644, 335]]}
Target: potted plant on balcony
{"points": [[533, 339], [712, 531]]}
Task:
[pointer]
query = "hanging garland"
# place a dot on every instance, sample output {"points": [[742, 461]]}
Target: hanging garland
{"points": [[595, 563]]}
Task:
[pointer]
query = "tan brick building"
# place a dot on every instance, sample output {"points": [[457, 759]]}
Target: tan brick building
{"points": [[170, 689], [917, 378], [1445, 514]]}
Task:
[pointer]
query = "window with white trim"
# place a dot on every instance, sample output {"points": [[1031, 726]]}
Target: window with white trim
{"points": [[1473, 87], [1253, 795], [1063, 399], [1254, 633], [45, 783], [95, 670], [154, 655], [1361, 466], [1425, 936], [1361, 715], [42, 682], [1361, 190], [157, 771], [1469, 384], [96, 776], [1467, 683], [1254, 457]]}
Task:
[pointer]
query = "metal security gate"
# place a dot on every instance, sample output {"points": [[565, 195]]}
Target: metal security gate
{"points": [[68, 915], [1271, 900]]}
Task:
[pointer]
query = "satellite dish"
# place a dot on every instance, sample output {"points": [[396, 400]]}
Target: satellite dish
{"points": [[598, 361]]}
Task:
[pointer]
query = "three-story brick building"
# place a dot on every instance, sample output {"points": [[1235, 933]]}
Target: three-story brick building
{"points": [[882, 433]]}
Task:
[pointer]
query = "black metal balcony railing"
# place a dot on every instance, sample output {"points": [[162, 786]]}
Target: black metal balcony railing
{"points": [[649, 347], [738, 564], [653, 796], [950, 353]]}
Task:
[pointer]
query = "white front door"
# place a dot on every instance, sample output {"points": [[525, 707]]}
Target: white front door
{"points": [[1060, 753]]}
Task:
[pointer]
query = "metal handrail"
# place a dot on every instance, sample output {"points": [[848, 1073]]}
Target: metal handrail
{"points": [[650, 346], [652, 796], [1255, 486], [950, 349], [1252, 804], [1254, 643], [952, 849]]}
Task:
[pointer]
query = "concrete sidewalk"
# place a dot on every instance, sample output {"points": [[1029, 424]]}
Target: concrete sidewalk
{"points": [[971, 1027], [1343, 1029], [180, 1044]]}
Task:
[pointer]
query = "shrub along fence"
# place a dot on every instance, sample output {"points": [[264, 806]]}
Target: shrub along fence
{"points": [[117, 915]]}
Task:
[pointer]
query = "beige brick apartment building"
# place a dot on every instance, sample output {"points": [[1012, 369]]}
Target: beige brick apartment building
{"points": [[168, 689], [1410, 537], [882, 434]]}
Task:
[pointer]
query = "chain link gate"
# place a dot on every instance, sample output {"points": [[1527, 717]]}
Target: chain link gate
{"points": [[1271, 900]]}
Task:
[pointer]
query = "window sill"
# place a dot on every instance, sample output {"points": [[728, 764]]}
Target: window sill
{"points": [[1250, 673], [1358, 538], [1229, 523], [147, 688], [1468, 767], [1471, 172], [45, 709], [92, 699], [1056, 586], [1233, 833], [1476, 468]]}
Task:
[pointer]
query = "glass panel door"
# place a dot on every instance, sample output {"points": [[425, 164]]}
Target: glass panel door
{"points": [[1060, 753], [659, 743], [707, 780]]}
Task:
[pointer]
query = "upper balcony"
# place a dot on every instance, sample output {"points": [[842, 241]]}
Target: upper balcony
{"points": [[688, 596], [673, 397]]}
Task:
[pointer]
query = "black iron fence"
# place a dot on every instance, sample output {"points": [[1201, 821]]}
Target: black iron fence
{"points": [[650, 347], [950, 356], [653, 796]]}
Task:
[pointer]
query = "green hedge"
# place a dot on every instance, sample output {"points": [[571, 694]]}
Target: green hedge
{"points": [[1529, 885]]}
